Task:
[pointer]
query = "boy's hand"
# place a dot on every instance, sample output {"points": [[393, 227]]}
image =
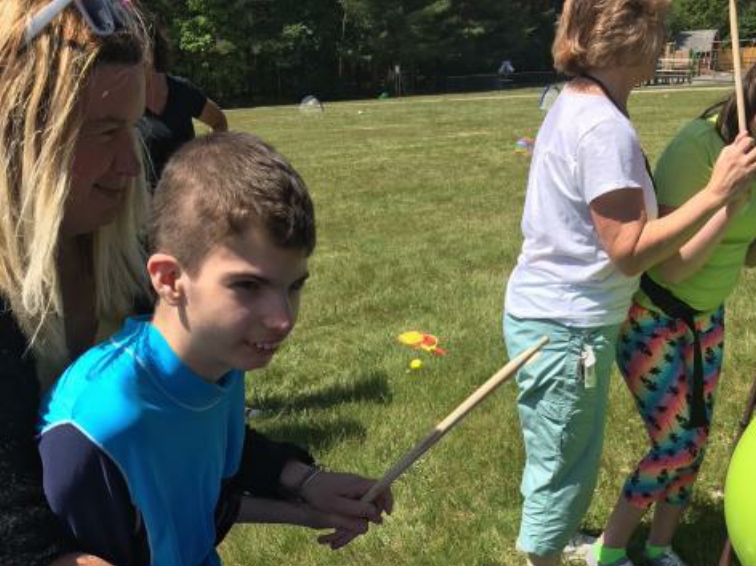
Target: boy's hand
{"points": [[339, 494], [279, 511], [338, 538], [345, 529], [332, 501]]}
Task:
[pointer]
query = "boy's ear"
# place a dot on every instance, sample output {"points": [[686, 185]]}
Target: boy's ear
{"points": [[165, 272]]}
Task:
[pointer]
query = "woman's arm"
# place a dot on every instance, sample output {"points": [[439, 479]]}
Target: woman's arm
{"points": [[80, 560], [632, 241], [274, 511], [213, 116], [635, 244]]}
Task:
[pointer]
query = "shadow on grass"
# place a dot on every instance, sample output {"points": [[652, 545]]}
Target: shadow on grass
{"points": [[699, 538], [372, 386], [317, 436]]}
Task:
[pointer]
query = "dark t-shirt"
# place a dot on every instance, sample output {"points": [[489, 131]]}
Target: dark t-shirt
{"points": [[164, 133]]}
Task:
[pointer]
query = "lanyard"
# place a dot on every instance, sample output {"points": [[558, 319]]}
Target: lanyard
{"points": [[606, 92]]}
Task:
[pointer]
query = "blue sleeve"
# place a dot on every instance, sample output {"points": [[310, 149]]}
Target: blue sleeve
{"points": [[87, 491]]}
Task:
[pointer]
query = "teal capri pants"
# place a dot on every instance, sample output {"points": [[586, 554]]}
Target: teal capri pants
{"points": [[562, 407]]}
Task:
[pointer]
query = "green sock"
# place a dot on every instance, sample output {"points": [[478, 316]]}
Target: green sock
{"points": [[655, 551], [607, 554]]}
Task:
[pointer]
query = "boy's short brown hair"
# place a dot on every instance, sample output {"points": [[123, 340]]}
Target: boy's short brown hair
{"points": [[596, 34], [217, 186]]}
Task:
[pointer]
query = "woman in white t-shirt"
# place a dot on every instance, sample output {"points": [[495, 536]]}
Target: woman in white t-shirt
{"points": [[590, 228]]}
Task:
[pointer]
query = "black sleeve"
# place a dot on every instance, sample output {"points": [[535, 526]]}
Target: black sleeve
{"points": [[262, 462], [189, 96], [87, 491], [30, 534]]}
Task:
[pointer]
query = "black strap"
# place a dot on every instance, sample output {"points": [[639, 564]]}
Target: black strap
{"points": [[676, 308], [606, 92]]}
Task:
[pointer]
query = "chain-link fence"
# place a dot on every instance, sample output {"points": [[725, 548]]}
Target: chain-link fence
{"points": [[479, 83]]}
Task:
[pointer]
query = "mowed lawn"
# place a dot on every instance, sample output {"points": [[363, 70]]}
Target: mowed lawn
{"points": [[418, 207]]}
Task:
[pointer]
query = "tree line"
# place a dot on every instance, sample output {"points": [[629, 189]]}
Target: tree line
{"points": [[251, 51]]}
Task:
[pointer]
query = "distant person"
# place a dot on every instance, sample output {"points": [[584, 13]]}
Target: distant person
{"points": [[672, 372], [590, 229], [171, 103], [506, 68], [142, 437]]}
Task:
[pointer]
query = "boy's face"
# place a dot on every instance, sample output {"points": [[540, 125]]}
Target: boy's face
{"points": [[241, 303]]}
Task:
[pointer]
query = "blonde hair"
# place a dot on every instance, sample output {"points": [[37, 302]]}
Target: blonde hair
{"points": [[41, 86], [596, 34]]}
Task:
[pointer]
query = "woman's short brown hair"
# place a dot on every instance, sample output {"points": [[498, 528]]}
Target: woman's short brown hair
{"points": [[595, 34]]}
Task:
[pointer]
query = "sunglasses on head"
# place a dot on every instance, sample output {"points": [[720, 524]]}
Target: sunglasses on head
{"points": [[102, 16]]}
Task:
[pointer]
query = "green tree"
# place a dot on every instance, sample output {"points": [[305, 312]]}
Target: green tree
{"points": [[712, 14], [283, 49]]}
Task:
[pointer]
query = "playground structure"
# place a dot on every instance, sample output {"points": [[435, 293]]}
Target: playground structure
{"points": [[699, 53], [692, 54]]}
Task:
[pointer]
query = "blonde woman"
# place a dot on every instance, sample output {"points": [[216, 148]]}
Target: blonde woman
{"points": [[590, 228], [71, 90], [69, 250]]}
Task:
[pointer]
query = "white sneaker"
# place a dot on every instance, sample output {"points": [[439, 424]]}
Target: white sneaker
{"points": [[592, 560], [667, 558], [578, 546]]}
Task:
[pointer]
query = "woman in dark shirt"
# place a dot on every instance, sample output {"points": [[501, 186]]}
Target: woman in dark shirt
{"points": [[172, 103]]}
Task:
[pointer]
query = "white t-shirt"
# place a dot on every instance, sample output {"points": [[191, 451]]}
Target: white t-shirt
{"points": [[585, 148]]}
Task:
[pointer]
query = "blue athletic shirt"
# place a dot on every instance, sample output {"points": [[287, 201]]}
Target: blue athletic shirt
{"points": [[136, 447]]}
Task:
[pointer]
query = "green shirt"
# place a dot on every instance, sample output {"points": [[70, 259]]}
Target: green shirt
{"points": [[684, 169]]}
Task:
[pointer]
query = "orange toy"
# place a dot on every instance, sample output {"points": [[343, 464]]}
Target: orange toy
{"points": [[421, 341]]}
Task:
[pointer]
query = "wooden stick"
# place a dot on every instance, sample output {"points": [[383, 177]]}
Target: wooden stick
{"points": [[737, 71], [454, 417]]}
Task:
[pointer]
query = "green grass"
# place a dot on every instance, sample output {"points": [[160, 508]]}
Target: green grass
{"points": [[418, 206]]}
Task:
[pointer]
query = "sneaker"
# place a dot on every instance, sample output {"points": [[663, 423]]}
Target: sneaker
{"points": [[578, 546], [667, 558], [592, 560]]}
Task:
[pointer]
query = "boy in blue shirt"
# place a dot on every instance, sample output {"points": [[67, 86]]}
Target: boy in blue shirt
{"points": [[142, 438]]}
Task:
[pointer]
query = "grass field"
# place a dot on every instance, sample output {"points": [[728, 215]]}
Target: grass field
{"points": [[418, 206]]}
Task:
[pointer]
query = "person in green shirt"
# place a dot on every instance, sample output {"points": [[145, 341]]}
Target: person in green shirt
{"points": [[670, 348]]}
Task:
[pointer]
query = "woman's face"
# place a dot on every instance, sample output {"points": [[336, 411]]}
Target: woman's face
{"points": [[106, 157]]}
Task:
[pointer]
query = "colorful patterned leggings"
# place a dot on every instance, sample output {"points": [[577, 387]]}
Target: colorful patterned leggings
{"points": [[655, 356]]}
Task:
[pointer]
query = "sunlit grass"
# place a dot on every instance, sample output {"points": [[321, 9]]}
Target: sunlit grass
{"points": [[418, 206]]}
